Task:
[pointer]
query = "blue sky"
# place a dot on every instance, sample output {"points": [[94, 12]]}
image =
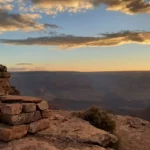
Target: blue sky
{"points": [[133, 55]]}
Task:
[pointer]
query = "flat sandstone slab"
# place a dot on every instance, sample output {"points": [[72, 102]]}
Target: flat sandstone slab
{"points": [[25, 99], [11, 109], [8, 133], [20, 119], [29, 107], [38, 125]]}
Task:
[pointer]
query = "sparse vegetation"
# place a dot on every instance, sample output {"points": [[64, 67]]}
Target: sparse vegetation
{"points": [[98, 118]]}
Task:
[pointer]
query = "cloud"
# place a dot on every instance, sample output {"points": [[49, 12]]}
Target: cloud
{"points": [[55, 6], [20, 22], [33, 67], [68, 42], [46, 25], [24, 64], [6, 5]]}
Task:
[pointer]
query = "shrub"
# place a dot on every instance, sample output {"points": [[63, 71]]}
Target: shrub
{"points": [[98, 118]]}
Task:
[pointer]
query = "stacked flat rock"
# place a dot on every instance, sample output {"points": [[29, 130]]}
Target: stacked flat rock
{"points": [[20, 115]]}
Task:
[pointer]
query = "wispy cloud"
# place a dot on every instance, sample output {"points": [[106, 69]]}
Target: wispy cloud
{"points": [[24, 64], [68, 42], [28, 67], [55, 6]]}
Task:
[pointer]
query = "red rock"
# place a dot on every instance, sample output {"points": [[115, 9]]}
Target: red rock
{"points": [[25, 99], [8, 133], [38, 125], [11, 109], [29, 107], [43, 105], [22, 118], [46, 113]]}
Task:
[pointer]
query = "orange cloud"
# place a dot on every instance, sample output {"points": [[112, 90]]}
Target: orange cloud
{"points": [[68, 42], [55, 6]]}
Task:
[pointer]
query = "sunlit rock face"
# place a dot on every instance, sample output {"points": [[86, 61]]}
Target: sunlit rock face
{"points": [[4, 80]]}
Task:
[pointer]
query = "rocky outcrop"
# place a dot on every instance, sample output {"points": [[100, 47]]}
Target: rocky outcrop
{"points": [[73, 129], [5, 87], [65, 132], [4, 80], [134, 133]]}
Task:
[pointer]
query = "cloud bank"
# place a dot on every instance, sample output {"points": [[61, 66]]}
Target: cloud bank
{"points": [[68, 42], [55, 6]]}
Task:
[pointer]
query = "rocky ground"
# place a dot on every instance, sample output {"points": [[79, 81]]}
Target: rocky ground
{"points": [[67, 132]]}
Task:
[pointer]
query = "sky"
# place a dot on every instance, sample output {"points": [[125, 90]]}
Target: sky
{"points": [[75, 35]]}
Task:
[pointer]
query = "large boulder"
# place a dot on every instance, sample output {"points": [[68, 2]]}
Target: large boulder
{"points": [[22, 118], [8, 133]]}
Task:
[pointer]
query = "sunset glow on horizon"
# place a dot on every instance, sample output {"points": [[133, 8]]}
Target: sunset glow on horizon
{"points": [[82, 35]]}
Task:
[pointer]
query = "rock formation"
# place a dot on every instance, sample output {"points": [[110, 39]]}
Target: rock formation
{"points": [[21, 115], [5, 87], [4, 80]]}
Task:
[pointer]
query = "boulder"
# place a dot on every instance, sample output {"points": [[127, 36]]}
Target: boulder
{"points": [[11, 109], [29, 107], [8, 133], [46, 113], [22, 118], [43, 105], [24, 99], [38, 125]]}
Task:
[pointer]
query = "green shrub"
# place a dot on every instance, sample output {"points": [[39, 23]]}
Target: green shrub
{"points": [[98, 118]]}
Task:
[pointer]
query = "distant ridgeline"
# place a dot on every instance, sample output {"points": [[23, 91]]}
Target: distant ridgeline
{"points": [[5, 87]]}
